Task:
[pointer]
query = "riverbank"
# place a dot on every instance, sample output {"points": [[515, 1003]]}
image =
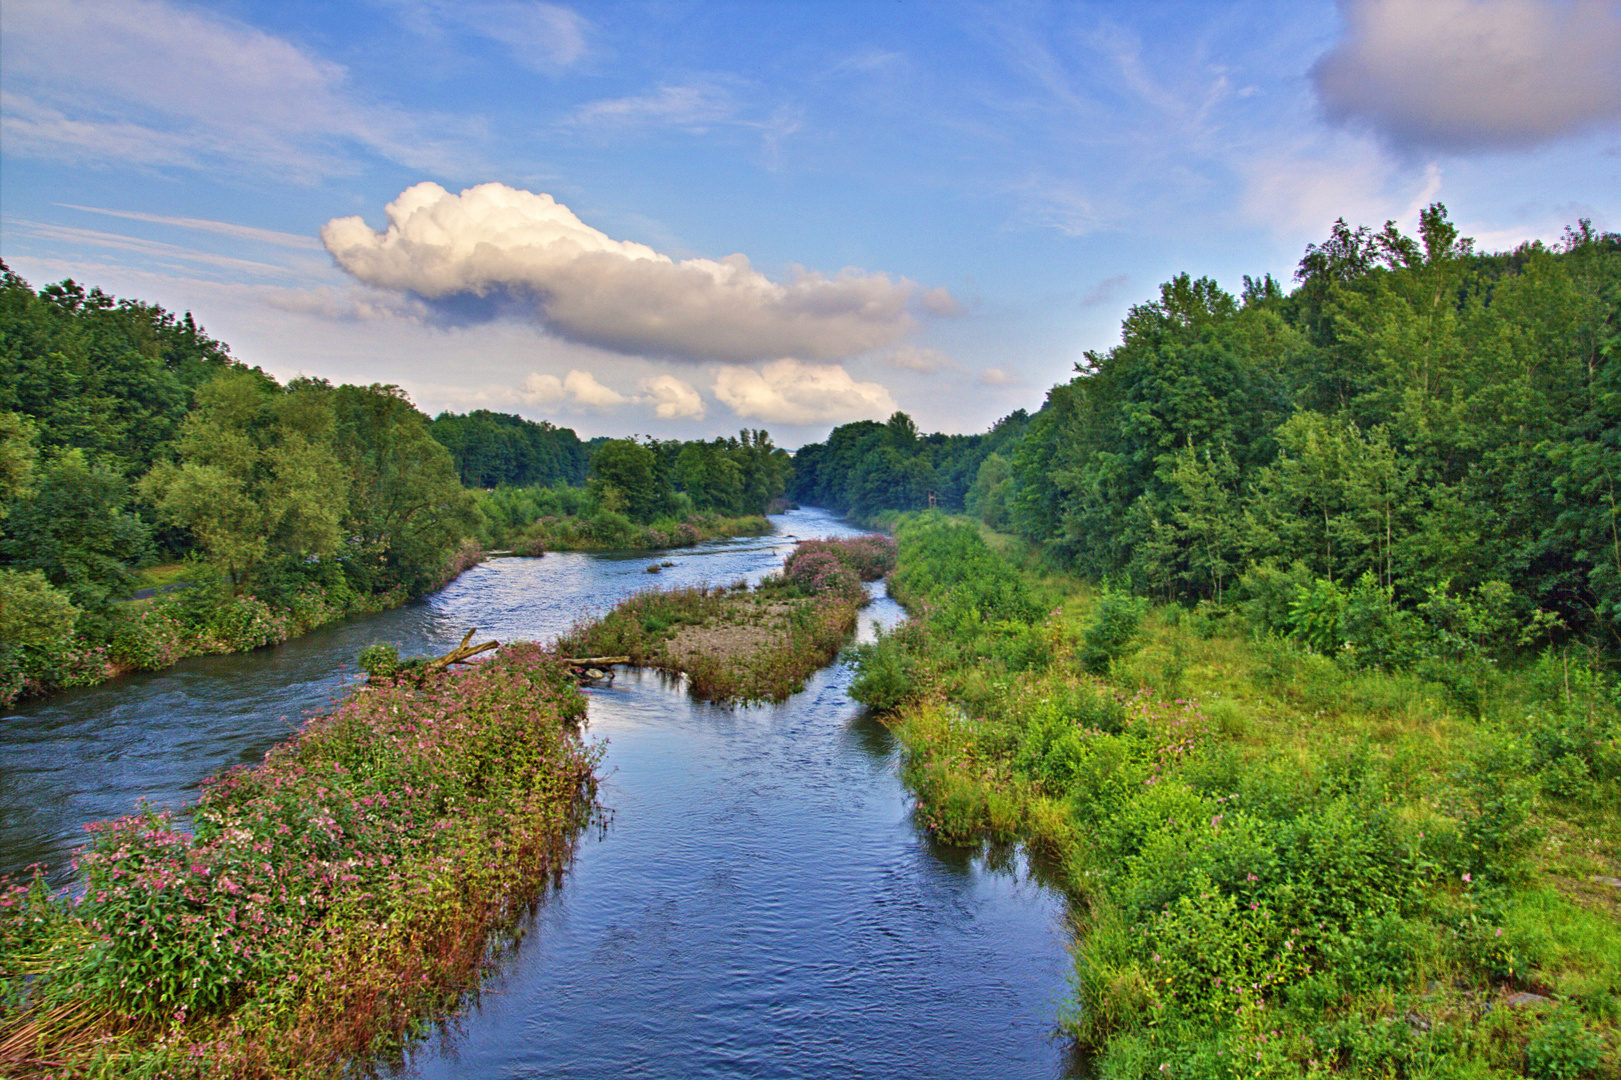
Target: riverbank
{"points": [[606, 530], [1292, 866], [332, 902], [737, 644], [154, 633]]}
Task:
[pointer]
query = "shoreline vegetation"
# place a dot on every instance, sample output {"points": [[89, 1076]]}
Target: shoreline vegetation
{"points": [[603, 533], [330, 905], [735, 644], [1286, 862]]}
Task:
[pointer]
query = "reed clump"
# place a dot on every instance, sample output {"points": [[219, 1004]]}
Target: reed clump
{"points": [[740, 644], [326, 907]]}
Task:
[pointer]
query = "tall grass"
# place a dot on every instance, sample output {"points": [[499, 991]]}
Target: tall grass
{"points": [[737, 644]]}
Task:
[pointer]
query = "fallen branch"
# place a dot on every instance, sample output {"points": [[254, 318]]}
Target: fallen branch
{"points": [[461, 653], [583, 661]]}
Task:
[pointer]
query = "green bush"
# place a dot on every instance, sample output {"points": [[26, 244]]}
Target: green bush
{"points": [[380, 661], [887, 669], [1112, 635]]}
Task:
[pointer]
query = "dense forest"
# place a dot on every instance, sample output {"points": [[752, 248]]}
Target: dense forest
{"points": [[129, 436], [646, 494], [867, 467], [1414, 423], [491, 449]]}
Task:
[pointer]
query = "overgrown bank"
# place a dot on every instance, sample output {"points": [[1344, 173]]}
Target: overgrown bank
{"points": [[1290, 863], [330, 904], [533, 521], [737, 644]]}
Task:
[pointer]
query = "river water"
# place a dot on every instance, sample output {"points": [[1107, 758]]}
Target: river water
{"points": [[760, 903]]}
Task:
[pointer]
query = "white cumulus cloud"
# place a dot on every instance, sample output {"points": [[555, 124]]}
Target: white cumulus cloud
{"points": [[791, 392], [1461, 75], [672, 399], [585, 286], [579, 387]]}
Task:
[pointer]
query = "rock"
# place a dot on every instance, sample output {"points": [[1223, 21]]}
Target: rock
{"points": [[1600, 879], [1523, 999]]}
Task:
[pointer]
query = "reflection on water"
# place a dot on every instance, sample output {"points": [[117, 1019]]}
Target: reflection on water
{"points": [[760, 904]]}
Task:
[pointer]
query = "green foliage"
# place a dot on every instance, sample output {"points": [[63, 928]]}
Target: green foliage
{"points": [[1440, 422], [379, 661], [76, 527], [498, 449], [888, 670], [1564, 1049], [867, 468], [1322, 865], [624, 476], [310, 501], [38, 646], [1113, 631]]}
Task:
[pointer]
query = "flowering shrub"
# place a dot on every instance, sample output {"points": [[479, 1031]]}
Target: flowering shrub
{"points": [[242, 623], [150, 637], [839, 566], [821, 572], [330, 896]]}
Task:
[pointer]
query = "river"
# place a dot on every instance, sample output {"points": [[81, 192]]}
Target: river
{"points": [[760, 903]]}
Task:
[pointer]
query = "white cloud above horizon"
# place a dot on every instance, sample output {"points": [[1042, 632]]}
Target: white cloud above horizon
{"points": [[496, 241], [790, 392]]}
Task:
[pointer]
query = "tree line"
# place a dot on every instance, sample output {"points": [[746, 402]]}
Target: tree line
{"points": [[1413, 423], [867, 467], [491, 449]]}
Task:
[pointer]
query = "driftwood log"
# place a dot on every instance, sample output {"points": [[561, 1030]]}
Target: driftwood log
{"points": [[593, 661], [461, 653]]}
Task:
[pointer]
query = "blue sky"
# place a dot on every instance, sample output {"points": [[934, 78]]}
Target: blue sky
{"points": [[682, 219]]}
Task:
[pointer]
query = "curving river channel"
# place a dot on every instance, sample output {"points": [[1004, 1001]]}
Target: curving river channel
{"points": [[760, 904]]}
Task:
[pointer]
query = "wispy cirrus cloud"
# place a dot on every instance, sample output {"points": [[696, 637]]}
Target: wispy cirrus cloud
{"points": [[154, 249], [221, 228], [547, 38], [148, 82], [694, 105]]}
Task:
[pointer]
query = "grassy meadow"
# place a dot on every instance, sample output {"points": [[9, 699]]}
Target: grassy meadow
{"points": [[1286, 863]]}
